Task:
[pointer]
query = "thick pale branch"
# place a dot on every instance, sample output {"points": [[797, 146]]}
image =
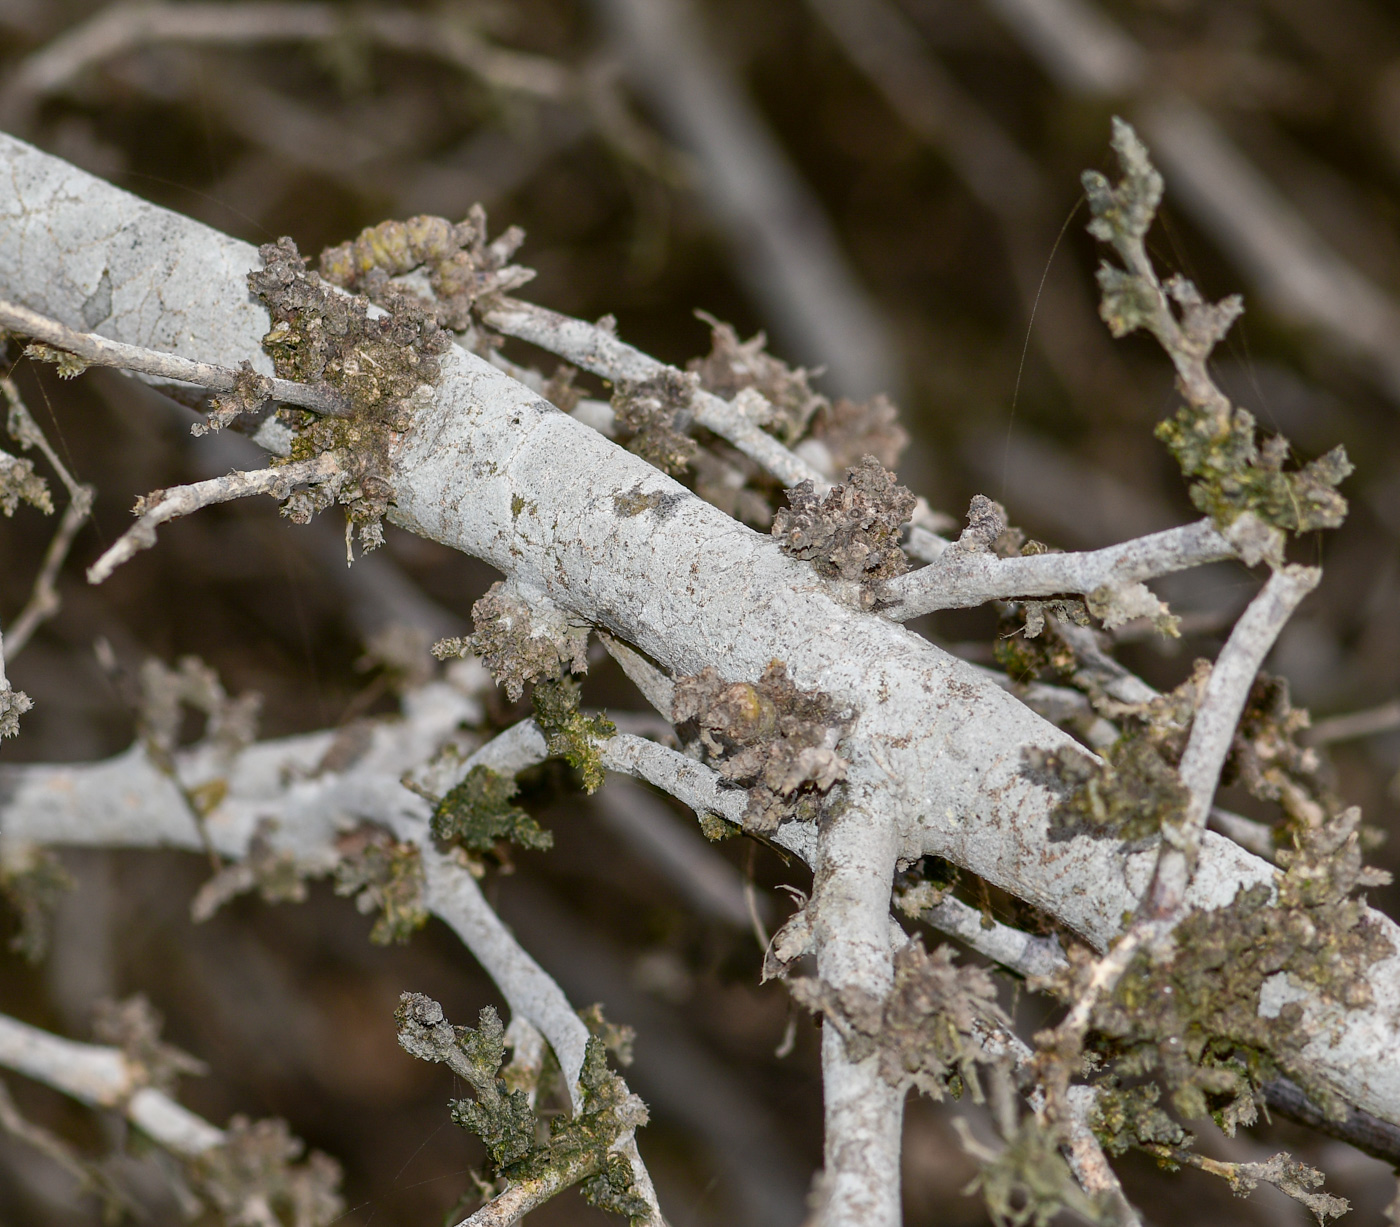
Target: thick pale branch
{"points": [[963, 578], [99, 350], [936, 746]]}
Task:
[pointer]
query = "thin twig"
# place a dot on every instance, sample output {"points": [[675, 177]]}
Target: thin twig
{"points": [[1382, 719], [182, 500], [964, 578], [598, 350], [91, 347]]}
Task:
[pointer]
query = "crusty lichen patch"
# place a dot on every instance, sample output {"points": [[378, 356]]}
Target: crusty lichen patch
{"points": [[568, 733], [381, 366], [477, 813], [521, 638], [1191, 1017], [463, 267], [776, 740], [384, 875], [852, 532], [652, 417]]}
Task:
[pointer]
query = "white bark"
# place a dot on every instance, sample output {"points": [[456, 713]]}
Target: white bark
{"points": [[936, 751], [103, 1077]]}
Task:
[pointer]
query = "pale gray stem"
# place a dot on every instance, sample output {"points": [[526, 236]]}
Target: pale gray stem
{"points": [[1217, 716], [1367, 723], [182, 500], [99, 350], [1021, 952], [850, 918], [961, 578], [102, 1077], [598, 350]]}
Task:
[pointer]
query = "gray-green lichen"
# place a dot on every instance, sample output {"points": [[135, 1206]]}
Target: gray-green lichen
{"points": [[1190, 1017], [32, 881], [381, 367], [568, 733], [477, 814], [851, 532], [733, 366], [577, 1149], [1240, 483], [384, 875], [19, 483], [777, 741], [256, 1175], [652, 416], [135, 1026]]}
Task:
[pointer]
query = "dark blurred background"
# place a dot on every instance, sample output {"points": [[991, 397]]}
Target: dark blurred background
{"points": [[889, 188]]}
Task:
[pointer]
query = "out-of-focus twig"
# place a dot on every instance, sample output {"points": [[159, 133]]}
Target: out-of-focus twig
{"points": [[1382, 719], [1293, 268], [785, 251]]}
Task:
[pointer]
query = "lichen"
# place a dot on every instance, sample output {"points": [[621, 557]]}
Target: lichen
{"points": [[271, 871], [852, 532], [69, 366], [250, 392], [521, 639], [1028, 1181], [577, 1149], [777, 741], [32, 881], [19, 483], [384, 875], [924, 1030], [568, 733], [477, 814], [381, 367], [1191, 1017], [1238, 482], [135, 1026], [1128, 1117], [652, 415], [254, 1176], [732, 366], [463, 267], [852, 429]]}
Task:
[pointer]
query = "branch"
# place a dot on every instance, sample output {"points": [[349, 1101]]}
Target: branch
{"points": [[1294, 269], [598, 350], [163, 506], [1367, 723], [962, 578], [43, 601], [92, 348], [937, 747], [103, 1077]]}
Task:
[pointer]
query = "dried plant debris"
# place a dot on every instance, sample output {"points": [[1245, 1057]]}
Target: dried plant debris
{"points": [[1238, 482], [777, 741], [853, 531], [1286, 1174], [134, 1025], [733, 366], [382, 367], [1191, 1017], [13, 704], [851, 429], [575, 1150], [251, 392], [384, 875], [652, 417], [273, 872], [521, 638], [32, 881], [568, 733], [924, 1030], [19, 483], [478, 814], [254, 1177], [462, 267]]}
